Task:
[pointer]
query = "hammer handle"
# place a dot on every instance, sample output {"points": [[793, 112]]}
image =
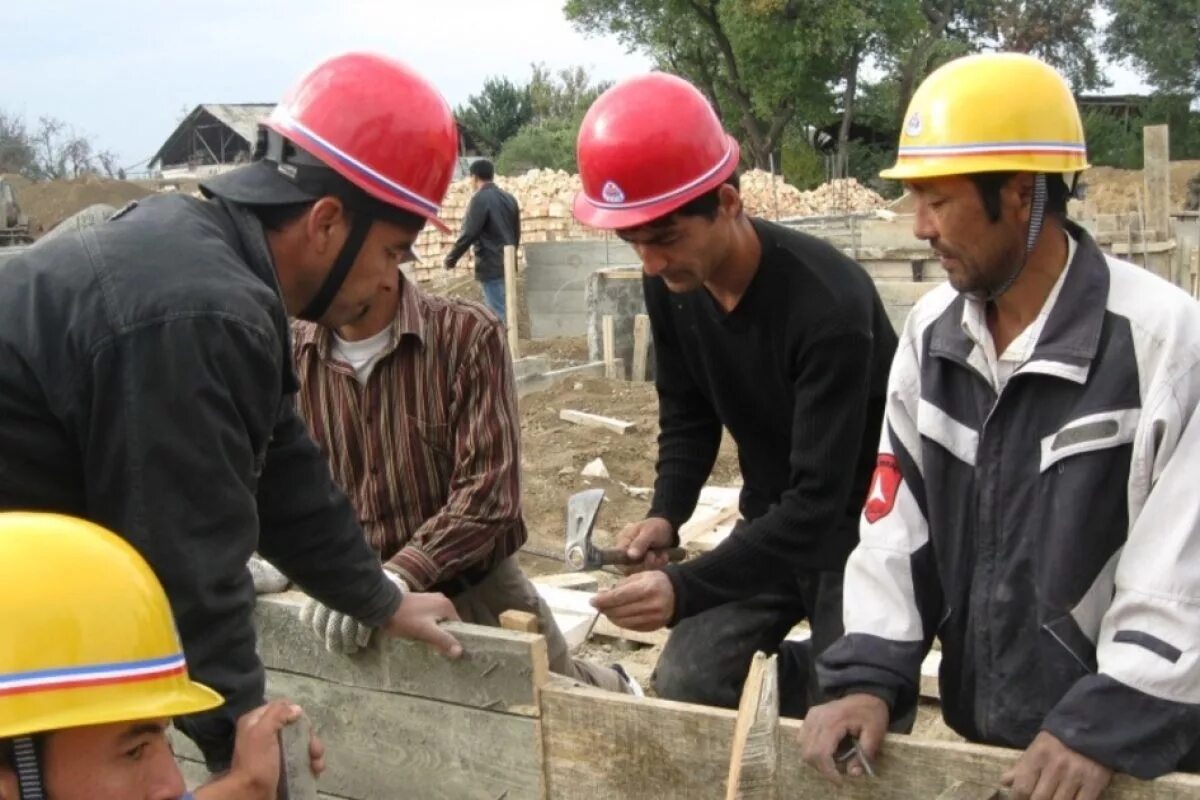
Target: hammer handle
{"points": [[620, 557]]}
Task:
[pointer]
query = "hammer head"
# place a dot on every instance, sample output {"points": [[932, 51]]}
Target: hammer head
{"points": [[582, 510]]}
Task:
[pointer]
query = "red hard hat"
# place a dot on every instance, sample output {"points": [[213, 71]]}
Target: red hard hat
{"points": [[646, 147], [379, 125]]}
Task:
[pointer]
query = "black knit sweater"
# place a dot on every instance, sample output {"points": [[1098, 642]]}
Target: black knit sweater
{"points": [[797, 373]]}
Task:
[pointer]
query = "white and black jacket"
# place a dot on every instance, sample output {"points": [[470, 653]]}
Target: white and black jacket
{"points": [[1048, 536]]}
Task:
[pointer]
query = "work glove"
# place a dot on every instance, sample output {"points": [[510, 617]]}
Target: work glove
{"points": [[267, 579], [341, 632]]}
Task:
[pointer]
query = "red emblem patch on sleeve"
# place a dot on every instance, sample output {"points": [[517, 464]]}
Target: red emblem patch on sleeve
{"points": [[884, 484]]}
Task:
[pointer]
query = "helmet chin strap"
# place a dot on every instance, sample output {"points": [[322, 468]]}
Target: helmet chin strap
{"points": [[1037, 216], [317, 307], [29, 770]]}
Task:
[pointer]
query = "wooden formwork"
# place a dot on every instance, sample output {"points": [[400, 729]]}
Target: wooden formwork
{"points": [[400, 721]]}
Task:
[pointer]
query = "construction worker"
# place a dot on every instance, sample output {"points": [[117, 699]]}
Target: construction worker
{"points": [[768, 332], [1034, 503], [493, 221], [414, 404], [91, 672], [146, 381]]}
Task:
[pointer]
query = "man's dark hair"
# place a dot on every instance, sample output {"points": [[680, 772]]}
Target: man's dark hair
{"points": [[705, 205], [277, 217], [989, 185], [483, 169]]}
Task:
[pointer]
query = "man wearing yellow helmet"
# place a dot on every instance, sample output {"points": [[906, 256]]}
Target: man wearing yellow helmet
{"points": [[1033, 505], [91, 671]]}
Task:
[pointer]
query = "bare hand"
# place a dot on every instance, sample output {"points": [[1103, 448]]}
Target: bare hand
{"points": [[256, 758], [418, 616], [641, 602], [640, 539], [863, 716], [1049, 769]]}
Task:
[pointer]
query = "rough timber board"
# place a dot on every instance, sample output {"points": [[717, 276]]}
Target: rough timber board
{"points": [[499, 669], [606, 745], [381, 745]]}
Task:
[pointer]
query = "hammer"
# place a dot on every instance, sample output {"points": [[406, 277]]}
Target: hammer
{"points": [[581, 554]]}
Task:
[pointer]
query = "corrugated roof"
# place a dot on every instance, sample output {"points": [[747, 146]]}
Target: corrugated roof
{"points": [[240, 118]]}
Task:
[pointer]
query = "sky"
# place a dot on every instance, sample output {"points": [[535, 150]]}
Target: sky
{"points": [[125, 73]]}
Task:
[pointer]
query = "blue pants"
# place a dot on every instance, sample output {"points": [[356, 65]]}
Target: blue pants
{"points": [[493, 295]]}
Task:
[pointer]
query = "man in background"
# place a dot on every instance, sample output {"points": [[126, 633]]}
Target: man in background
{"points": [[493, 221]]}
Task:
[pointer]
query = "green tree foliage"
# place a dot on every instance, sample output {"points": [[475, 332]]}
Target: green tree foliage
{"points": [[566, 94], [540, 145], [1161, 38], [760, 62], [494, 116], [1060, 32]]}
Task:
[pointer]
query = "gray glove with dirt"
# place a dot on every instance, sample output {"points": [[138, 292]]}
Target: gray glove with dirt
{"points": [[341, 633]]}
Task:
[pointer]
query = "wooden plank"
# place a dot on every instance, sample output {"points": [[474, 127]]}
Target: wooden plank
{"points": [[604, 627], [712, 539], [716, 506], [600, 744], [579, 581], [511, 301], [536, 383], [383, 745], [641, 347], [590, 420], [498, 670], [514, 620], [610, 370], [754, 762], [965, 790], [1156, 173], [570, 607]]}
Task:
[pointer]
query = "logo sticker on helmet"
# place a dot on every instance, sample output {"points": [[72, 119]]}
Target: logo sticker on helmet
{"points": [[913, 128], [612, 193]]}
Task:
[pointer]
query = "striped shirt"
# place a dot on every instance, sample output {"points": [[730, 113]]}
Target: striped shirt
{"points": [[428, 449]]}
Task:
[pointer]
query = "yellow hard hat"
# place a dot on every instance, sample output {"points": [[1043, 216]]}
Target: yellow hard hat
{"points": [[87, 634], [995, 112]]}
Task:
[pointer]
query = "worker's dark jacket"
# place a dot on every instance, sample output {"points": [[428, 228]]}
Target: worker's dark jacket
{"points": [[146, 384], [493, 221], [1048, 534]]}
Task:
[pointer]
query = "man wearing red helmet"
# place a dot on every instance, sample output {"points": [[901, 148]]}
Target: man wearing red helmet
{"points": [[767, 332], [146, 382]]}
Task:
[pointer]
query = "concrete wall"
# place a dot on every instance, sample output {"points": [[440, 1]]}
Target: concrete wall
{"points": [[556, 275]]}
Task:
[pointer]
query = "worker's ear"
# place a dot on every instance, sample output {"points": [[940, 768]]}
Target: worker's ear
{"points": [[1018, 194], [326, 226], [729, 200]]}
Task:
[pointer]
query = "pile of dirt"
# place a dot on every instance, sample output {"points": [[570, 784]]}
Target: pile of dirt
{"points": [[50, 202], [1118, 191], [554, 452]]}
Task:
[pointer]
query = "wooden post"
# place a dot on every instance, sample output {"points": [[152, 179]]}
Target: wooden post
{"points": [[641, 347], [1156, 149], [511, 301], [754, 762], [610, 367]]}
